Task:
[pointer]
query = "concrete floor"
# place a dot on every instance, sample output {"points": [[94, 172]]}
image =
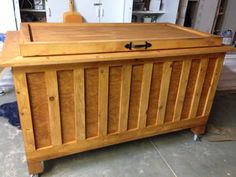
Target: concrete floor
{"points": [[169, 155]]}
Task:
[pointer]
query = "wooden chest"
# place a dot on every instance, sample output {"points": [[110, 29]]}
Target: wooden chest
{"points": [[85, 86]]}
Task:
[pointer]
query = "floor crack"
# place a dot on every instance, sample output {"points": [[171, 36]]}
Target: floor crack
{"points": [[165, 161]]}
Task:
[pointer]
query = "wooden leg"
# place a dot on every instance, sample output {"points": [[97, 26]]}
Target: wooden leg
{"points": [[35, 167], [199, 130]]}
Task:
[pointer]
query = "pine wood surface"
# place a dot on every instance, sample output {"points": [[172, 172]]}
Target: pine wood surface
{"points": [[55, 39], [118, 102], [73, 103]]}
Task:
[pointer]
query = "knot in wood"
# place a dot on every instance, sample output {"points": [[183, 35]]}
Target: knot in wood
{"points": [[51, 98]]}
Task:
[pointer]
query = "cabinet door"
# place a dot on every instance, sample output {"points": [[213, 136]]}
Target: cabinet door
{"points": [[55, 10], [89, 9], [112, 11]]}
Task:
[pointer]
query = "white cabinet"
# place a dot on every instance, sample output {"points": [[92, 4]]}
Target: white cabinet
{"points": [[89, 9], [112, 11], [55, 10], [105, 11]]}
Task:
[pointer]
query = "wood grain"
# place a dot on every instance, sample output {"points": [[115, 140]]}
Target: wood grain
{"points": [[67, 104], [206, 85], [213, 85], [79, 84], [190, 88], [95, 143], [53, 107], [47, 39], [135, 92], [144, 95], [198, 88], [22, 96], [173, 89], [91, 102], [114, 103], [165, 83], [39, 108], [103, 100], [154, 94], [125, 97], [181, 90]]}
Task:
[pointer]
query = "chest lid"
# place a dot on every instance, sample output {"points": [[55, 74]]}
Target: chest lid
{"points": [[38, 39]]}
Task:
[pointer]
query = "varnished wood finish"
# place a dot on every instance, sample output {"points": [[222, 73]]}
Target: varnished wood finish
{"points": [[79, 104], [116, 99], [47, 39], [73, 103], [108, 98]]}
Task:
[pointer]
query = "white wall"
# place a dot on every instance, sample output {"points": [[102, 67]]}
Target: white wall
{"points": [[7, 16]]}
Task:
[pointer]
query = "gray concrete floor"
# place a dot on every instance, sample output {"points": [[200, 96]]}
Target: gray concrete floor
{"points": [[169, 155]]}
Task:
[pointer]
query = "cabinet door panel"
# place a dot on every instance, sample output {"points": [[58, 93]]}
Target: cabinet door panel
{"points": [[112, 11], [89, 9], [55, 10]]}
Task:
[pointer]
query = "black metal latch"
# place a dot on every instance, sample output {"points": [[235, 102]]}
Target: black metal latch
{"points": [[131, 46]]}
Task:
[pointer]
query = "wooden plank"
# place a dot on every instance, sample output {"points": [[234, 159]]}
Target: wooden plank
{"points": [[198, 87], [125, 95], [190, 88], [145, 92], [103, 100], [24, 110], [53, 107], [173, 90], [39, 108], [79, 103], [114, 95], [154, 94], [165, 82], [181, 90], [65, 79], [213, 85], [25, 33], [57, 48], [91, 101], [135, 93]]}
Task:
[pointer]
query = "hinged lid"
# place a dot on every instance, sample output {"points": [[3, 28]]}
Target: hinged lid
{"points": [[37, 39]]}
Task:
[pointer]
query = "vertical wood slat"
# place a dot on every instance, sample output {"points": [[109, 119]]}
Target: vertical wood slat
{"points": [[198, 87], [213, 85], [53, 107], [181, 90], [125, 96], [144, 97], [165, 83], [79, 103], [24, 110], [103, 100]]}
